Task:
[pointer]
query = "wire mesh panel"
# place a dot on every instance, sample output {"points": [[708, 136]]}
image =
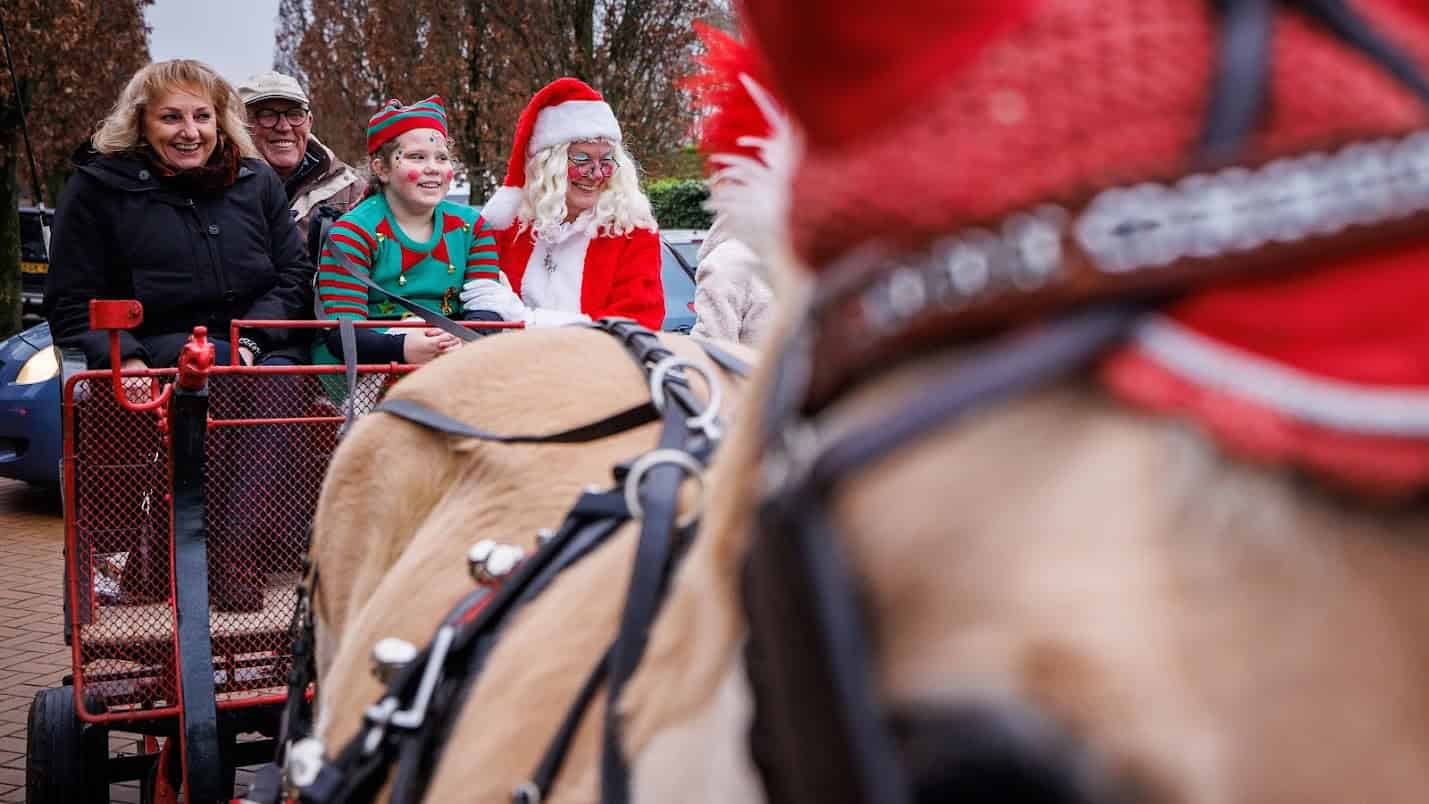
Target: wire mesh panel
{"points": [[120, 556], [269, 441], [270, 437]]}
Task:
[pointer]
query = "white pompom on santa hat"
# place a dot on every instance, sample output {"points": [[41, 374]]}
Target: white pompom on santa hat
{"points": [[565, 110]]}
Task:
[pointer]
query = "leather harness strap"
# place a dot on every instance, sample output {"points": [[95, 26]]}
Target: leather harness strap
{"points": [[405, 732], [614, 424], [655, 552], [795, 573]]}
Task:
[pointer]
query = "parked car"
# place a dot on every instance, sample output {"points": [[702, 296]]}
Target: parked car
{"points": [[30, 442], [30, 408], [686, 243], [460, 193], [677, 273], [34, 259]]}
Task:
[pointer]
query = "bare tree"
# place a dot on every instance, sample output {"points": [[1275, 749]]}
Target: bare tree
{"points": [[292, 23], [72, 58], [487, 57]]}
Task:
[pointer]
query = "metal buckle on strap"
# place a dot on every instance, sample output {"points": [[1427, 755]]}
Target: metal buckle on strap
{"points": [[385, 712], [650, 460], [707, 421], [302, 762], [789, 457]]}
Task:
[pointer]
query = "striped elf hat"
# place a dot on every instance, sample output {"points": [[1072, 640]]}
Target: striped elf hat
{"points": [[565, 110], [393, 120]]}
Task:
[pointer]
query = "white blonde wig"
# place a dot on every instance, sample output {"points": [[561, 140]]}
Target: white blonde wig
{"points": [[621, 208]]}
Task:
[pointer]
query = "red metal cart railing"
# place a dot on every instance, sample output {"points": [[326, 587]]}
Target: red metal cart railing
{"points": [[188, 495]]}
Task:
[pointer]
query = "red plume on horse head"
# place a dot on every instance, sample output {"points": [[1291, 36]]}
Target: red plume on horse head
{"points": [[1039, 153], [729, 112], [748, 144]]}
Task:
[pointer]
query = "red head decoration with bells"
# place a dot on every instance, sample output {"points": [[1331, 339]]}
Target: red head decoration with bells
{"points": [[1028, 155]]}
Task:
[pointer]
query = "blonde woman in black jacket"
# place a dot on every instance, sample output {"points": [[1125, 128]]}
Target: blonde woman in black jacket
{"points": [[171, 205]]}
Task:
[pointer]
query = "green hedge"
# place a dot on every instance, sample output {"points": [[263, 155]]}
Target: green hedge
{"points": [[678, 203]]}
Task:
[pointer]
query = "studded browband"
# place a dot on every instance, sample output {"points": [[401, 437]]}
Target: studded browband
{"points": [[877, 306]]}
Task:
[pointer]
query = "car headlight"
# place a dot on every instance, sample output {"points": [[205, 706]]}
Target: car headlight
{"points": [[42, 366]]}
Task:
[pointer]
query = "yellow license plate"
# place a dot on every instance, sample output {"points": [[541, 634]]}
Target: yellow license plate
{"points": [[34, 267]]}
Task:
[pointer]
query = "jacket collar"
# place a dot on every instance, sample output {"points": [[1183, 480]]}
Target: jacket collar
{"points": [[129, 172], [317, 162]]}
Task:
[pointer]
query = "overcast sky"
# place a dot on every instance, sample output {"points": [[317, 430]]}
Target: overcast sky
{"points": [[234, 36]]}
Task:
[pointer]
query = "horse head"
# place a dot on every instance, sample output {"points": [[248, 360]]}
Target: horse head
{"points": [[1039, 495]]}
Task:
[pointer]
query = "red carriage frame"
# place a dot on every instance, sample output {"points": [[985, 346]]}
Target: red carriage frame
{"points": [[191, 688]]}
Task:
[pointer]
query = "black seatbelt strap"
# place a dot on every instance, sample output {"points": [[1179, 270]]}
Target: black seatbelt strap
{"points": [[427, 314]]}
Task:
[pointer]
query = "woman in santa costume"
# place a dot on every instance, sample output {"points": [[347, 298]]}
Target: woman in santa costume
{"points": [[576, 235], [407, 237]]}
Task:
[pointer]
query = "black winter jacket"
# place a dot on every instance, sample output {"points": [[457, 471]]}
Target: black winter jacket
{"points": [[190, 260]]}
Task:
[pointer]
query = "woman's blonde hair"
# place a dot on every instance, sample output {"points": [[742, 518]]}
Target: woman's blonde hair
{"points": [[123, 128], [621, 208]]}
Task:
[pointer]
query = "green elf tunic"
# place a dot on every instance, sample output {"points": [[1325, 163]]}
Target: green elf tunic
{"points": [[462, 248]]}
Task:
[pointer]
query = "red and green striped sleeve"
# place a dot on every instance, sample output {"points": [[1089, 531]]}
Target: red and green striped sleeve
{"points": [[341, 294], [482, 259]]}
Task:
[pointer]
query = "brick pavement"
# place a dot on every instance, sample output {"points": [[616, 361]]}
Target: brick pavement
{"points": [[33, 655]]}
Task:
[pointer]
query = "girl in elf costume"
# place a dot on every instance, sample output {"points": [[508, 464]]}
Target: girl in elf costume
{"points": [[407, 237], [576, 235]]}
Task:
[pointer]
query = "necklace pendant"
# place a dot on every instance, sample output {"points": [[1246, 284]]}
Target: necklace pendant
{"points": [[550, 264], [402, 280]]}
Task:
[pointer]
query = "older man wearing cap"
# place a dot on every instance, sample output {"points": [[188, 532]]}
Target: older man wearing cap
{"points": [[281, 122]]}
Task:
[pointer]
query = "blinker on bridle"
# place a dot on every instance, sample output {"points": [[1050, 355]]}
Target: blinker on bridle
{"points": [[820, 733]]}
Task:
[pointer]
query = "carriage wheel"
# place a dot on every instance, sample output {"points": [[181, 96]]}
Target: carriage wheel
{"points": [[59, 750]]}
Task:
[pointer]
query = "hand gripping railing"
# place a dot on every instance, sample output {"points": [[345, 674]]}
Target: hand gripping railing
{"points": [[195, 360]]}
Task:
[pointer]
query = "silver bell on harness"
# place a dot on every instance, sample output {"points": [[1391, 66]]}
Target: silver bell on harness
{"points": [[390, 655], [490, 561], [304, 761]]}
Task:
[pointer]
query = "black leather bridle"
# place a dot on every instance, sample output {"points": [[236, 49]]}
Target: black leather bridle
{"points": [[821, 733]]}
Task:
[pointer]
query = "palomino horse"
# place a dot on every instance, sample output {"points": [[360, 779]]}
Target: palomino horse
{"points": [[977, 574], [958, 569], [1198, 630], [1099, 595], [402, 504]]}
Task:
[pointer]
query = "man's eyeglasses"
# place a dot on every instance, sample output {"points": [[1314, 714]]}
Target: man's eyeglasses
{"points": [[584, 167], [268, 118]]}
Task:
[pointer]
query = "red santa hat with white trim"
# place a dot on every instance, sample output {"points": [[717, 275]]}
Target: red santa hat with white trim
{"points": [[565, 110]]}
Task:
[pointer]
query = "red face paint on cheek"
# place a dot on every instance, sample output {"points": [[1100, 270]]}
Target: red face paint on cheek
{"points": [[413, 175], [450, 174]]}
